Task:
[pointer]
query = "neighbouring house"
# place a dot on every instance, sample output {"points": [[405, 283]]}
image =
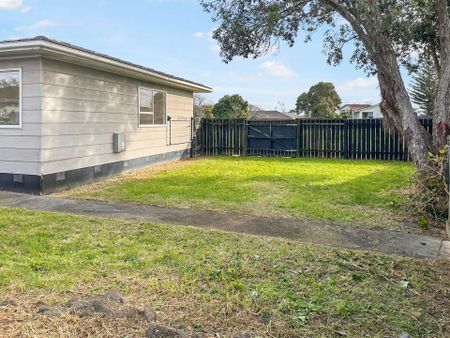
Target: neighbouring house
{"points": [[70, 115], [371, 112], [271, 115], [350, 108]]}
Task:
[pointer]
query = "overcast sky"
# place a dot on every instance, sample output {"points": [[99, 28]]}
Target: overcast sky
{"points": [[174, 36]]}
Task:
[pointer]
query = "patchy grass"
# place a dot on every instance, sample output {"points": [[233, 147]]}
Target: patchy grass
{"points": [[215, 282], [359, 192]]}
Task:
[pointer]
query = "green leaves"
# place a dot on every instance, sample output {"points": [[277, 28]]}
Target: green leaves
{"points": [[321, 100], [424, 87], [231, 107]]}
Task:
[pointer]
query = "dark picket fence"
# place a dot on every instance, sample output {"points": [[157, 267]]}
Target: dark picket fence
{"points": [[327, 138]]}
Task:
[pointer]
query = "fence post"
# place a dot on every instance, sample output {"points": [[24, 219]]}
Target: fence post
{"points": [[244, 138], [345, 139], [298, 137]]}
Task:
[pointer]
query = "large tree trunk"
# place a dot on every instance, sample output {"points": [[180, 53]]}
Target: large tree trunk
{"points": [[441, 114], [397, 108], [365, 21]]}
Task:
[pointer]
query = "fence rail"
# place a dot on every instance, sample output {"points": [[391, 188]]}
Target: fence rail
{"points": [[329, 138]]}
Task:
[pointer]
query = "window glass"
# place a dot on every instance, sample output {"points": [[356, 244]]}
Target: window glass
{"points": [[160, 107], [146, 119], [146, 100], [9, 98], [152, 107]]}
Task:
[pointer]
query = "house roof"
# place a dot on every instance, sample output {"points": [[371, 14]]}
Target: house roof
{"points": [[354, 107], [270, 115], [368, 106], [67, 52]]}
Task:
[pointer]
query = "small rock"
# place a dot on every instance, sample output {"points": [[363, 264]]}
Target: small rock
{"points": [[114, 296], [161, 331], [149, 314], [131, 312], [405, 335], [7, 303], [100, 306], [74, 304], [49, 311], [80, 308]]}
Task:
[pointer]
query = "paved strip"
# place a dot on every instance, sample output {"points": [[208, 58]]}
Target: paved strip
{"points": [[391, 242]]}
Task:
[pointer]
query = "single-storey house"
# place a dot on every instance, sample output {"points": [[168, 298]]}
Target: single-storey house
{"points": [[371, 112], [351, 108], [69, 115]]}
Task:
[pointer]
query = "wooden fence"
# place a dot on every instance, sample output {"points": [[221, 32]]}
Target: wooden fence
{"points": [[328, 138]]}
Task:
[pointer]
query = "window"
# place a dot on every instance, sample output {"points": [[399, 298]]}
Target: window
{"points": [[367, 115], [10, 98], [152, 107]]}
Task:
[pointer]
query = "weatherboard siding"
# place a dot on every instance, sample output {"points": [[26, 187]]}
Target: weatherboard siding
{"points": [[20, 148], [83, 107]]}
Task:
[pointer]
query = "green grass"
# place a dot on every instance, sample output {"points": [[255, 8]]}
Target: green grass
{"points": [[219, 282], [357, 192]]}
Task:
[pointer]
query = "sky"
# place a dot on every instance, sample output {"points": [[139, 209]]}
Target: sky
{"points": [[174, 36]]}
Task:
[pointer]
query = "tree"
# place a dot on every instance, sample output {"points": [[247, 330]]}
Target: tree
{"points": [[423, 88], [254, 107], [231, 107], [201, 108], [386, 34], [321, 101], [280, 106]]}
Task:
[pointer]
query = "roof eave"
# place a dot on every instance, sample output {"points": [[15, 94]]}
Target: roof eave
{"points": [[63, 53]]}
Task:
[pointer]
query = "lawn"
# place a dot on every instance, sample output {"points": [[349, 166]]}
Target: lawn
{"points": [[217, 283], [366, 193]]}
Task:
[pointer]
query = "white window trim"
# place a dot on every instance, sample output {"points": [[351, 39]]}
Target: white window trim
{"points": [[139, 108], [16, 126]]}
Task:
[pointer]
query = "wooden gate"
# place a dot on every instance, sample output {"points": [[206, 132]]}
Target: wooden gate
{"points": [[272, 138]]}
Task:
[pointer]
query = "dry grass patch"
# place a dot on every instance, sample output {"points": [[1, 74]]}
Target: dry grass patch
{"points": [[213, 282]]}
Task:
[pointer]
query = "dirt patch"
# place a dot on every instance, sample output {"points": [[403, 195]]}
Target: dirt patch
{"points": [[110, 305], [103, 315]]}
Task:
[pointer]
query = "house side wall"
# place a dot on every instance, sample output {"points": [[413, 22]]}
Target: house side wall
{"points": [[83, 107], [376, 110], [20, 148]]}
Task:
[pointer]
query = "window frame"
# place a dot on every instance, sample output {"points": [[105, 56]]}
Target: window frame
{"points": [[15, 126], [145, 113]]}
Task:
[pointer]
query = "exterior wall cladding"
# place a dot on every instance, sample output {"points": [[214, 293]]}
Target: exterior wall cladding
{"points": [[69, 115]]}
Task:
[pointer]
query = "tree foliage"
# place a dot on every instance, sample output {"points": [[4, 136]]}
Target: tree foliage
{"points": [[202, 109], [321, 101], [231, 107], [385, 35], [423, 88], [254, 107]]}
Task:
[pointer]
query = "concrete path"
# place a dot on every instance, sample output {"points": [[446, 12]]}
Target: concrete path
{"points": [[311, 232]]}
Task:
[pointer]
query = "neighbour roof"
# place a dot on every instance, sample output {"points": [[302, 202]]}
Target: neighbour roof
{"points": [[41, 44], [270, 115], [368, 106], [354, 107]]}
